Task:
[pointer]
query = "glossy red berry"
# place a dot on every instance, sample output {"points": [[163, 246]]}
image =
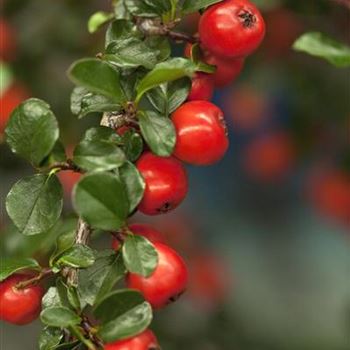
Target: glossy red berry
{"points": [[166, 183], [144, 230], [168, 281], [200, 133], [202, 87], [144, 341], [19, 306], [231, 28]]}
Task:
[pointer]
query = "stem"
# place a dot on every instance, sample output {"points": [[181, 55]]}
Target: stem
{"points": [[35, 280], [68, 165], [74, 330], [182, 37]]}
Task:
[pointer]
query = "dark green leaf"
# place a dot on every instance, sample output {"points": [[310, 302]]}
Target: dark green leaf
{"points": [[134, 184], [98, 151], [159, 133], [101, 200], [161, 44], [34, 203], [97, 76], [166, 98], [32, 130], [63, 243], [148, 8], [131, 53], [190, 6], [84, 102], [59, 316], [139, 255], [321, 45], [123, 313], [120, 30], [78, 256], [57, 155], [51, 298], [6, 77], [132, 144], [10, 266], [163, 72], [120, 10], [49, 338], [98, 280], [98, 19]]}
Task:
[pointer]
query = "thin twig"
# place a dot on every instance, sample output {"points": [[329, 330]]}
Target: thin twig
{"points": [[35, 280], [182, 37]]}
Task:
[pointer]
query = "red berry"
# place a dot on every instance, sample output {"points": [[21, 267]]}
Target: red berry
{"points": [[7, 41], [167, 282], [202, 87], [144, 341], [231, 28], [9, 100], [226, 69], [144, 230], [19, 306], [68, 179], [200, 133], [166, 183]]}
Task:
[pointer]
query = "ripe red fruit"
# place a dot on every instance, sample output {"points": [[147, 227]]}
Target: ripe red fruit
{"points": [[68, 179], [166, 183], [226, 69], [19, 306], [144, 341], [9, 100], [168, 281], [7, 41], [144, 230], [231, 28], [202, 87], [330, 194], [269, 157], [200, 133]]}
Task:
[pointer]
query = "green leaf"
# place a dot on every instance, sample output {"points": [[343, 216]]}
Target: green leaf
{"points": [[101, 200], [51, 298], [98, 280], [163, 72], [120, 10], [11, 266], [120, 30], [131, 53], [139, 255], [34, 203], [148, 8], [59, 316], [134, 184], [321, 45], [159, 133], [161, 44], [57, 155], [6, 77], [32, 130], [123, 314], [166, 98], [99, 151], [132, 144], [84, 102], [49, 338], [190, 6], [78, 256], [98, 19], [97, 76], [63, 243]]}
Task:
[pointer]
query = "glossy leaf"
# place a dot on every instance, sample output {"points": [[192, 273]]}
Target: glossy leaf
{"points": [[323, 46], [132, 144], [59, 316], [98, 151], [98, 19], [148, 8], [120, 30], [158, 132], [134, 184], [34, 203], [123, 313], [78, 256], [101, 200], [139, 255], [49, 338], [97, 76], [10, 266], [32, 130]]}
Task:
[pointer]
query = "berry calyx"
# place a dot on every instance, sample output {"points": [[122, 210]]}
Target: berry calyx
{"points": [[202, 87], [144, 230], [19, 306], [232, 28], [166, 183], [200, 133], [144, 341], [168, 281]]}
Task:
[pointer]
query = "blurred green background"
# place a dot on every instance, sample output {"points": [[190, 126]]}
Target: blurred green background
{"points": [[266, 231]]}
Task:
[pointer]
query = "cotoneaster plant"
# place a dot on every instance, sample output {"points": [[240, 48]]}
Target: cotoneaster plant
{"points": [[155, 114]]}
